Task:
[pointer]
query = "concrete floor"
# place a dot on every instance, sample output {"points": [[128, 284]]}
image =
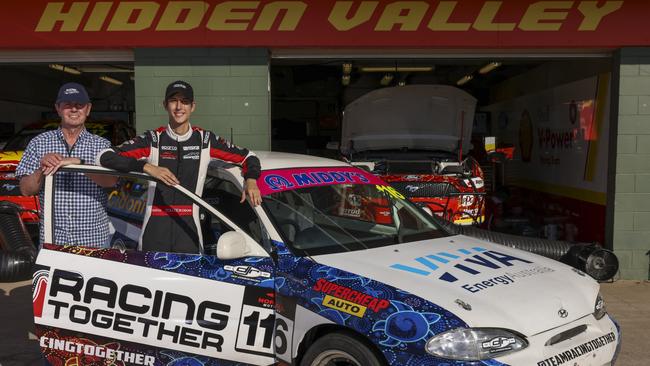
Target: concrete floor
{"points": [[627, 301]]}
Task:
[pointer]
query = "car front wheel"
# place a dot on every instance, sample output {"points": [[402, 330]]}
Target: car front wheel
{"points": [[339, 349]]}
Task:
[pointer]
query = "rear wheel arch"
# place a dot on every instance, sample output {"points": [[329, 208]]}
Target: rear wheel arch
{"points": [[320, 331]]}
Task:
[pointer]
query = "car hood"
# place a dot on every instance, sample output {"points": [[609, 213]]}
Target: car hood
{"points": [[415, 117], [505, 287], [9, 160]]}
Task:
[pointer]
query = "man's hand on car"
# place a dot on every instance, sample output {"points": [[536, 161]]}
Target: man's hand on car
{"points": [[49, 161], [162, 173], [252, 191], [52, 162]]}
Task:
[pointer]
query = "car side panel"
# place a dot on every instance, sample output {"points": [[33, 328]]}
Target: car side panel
{"points": [[396, 322], [161, 305]]}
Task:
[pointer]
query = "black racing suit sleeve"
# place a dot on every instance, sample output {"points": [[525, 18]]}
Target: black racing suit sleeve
{"points": [[130, 156], [222, 149]]}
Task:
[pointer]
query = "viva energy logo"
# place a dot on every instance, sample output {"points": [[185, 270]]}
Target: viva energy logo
{"points": [[462, 261]]}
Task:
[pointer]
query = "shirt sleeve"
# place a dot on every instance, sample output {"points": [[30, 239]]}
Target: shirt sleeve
{"points": [[130, 156], [222, 149], [30, 161]]}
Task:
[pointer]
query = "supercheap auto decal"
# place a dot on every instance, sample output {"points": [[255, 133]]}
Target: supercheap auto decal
{"points": [[398, 322]]}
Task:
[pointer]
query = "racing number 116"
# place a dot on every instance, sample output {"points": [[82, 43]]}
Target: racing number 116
{"points": [[255, 334], [266, 324]]}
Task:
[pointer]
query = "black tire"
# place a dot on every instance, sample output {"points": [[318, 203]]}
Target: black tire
{"points": [[339, 349], [17, 252], [15, 266]]}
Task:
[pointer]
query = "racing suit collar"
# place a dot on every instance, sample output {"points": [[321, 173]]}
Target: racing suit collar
{"points": [[178, 137]]}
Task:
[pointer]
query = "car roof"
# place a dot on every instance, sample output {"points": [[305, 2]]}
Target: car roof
{"points": [[278, 160]]}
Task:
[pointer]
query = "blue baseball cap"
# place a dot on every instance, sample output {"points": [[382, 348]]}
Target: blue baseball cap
{"points": [[72, 92]]}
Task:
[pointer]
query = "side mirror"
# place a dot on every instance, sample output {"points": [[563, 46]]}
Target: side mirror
{"points": [[231, 245]]}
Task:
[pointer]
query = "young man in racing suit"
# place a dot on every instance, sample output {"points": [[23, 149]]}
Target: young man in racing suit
{"points": [[178, 154]]}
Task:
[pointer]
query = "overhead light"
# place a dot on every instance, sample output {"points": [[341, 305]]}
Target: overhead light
{"points": [[132, 77], [397, 69], [347, 68], [104, 68], [489, 67], [68, 69], [464, 79], [386, 79], [401, 83], [109, 79], [345, 80]]}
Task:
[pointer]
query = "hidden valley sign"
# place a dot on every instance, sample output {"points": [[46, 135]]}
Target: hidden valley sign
{"points": [[316, 23]]}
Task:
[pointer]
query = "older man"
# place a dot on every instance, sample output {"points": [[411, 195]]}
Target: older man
{"points": [[79, 204]]}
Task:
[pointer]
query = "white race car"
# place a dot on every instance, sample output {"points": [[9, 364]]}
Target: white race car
{"points": [[335, 268]]}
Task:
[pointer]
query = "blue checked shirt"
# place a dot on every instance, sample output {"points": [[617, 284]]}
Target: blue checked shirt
{"points": [[79, 203]]}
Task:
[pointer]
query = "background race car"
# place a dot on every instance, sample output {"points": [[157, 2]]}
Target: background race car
{"points": [[417, 139]]}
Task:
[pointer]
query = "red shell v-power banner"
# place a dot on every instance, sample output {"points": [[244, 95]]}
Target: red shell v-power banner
{"points": [[40, 24]]}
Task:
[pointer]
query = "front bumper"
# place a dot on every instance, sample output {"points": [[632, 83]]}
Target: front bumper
{"points": [[596, 344]]}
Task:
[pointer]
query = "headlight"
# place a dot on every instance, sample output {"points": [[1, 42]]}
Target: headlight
{"points": [[599, 308], [473, 344]]}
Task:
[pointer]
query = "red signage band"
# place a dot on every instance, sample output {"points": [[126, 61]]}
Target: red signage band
{"points": [[42, 24]]}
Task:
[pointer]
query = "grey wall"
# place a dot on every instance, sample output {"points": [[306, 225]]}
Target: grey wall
{"points": [[230, 89], [632, 179]]}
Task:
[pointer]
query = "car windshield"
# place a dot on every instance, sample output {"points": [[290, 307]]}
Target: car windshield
{"points": [[347, 217]]}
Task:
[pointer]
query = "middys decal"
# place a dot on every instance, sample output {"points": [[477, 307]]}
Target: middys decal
{"points": [[272, 181]]}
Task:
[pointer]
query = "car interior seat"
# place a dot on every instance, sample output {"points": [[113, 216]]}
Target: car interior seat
{"points": [[313, 237]]}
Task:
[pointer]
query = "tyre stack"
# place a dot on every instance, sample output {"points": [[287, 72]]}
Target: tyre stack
{"points": [[17, 252]]}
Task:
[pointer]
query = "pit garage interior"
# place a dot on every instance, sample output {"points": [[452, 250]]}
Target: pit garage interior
{"points": [[34, 86], [556, 190]]}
